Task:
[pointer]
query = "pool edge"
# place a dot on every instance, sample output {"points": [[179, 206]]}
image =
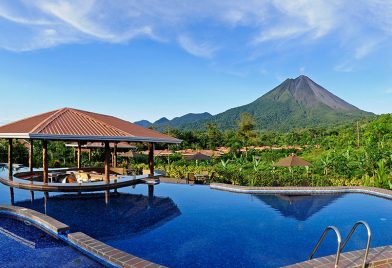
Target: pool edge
{"points": [[95, 249], [378, 257], [303, 190]]}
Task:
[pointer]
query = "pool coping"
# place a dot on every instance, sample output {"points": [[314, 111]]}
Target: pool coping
{"points": [[48, 223], [289, 190], [97, 250], [378, 257]]}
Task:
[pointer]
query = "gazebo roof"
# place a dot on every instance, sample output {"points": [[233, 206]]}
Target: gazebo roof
{"points": [[73, 124]]}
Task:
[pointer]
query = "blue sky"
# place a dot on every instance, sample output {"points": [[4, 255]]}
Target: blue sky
{"points": [[148, 59]]}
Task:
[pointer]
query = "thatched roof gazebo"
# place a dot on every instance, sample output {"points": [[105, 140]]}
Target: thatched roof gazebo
{"points": [[68, 124]]}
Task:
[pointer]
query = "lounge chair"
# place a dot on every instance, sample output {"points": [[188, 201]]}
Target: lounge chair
{"points": [[83, 177], [209, 179], [71, 178], [191, 177]]}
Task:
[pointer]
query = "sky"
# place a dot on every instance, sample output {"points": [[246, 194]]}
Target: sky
{"points": [[147, 59]]}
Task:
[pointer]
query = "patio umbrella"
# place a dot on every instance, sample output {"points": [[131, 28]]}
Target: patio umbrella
{"points": [[198, 156], [292, 161]]}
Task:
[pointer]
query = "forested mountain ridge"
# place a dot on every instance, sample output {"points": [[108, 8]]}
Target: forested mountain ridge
{"points": [[295, 103]]}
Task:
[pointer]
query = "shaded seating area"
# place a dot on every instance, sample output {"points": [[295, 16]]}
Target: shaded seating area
{"points": [[203, 178], [80, 128], [123, 149]]}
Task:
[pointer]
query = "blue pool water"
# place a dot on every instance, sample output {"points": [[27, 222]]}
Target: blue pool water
{"points": [[194, 226], [26, 246]]}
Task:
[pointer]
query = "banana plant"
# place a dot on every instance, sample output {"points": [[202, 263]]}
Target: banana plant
{"points": [[256, 163], [225, 163], [326, 164], [382, 178]]}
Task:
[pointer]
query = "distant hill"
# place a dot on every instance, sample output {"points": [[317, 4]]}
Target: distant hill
{"points": [[143, 123], [177, 122], [295, 103]]}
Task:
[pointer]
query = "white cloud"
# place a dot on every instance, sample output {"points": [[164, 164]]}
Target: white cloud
{"points": [[203, 50], [279, 33], [39, 24], [380, 14], [345, 67], [7, 14], [315, 18], [84, 16], [365, 49]]}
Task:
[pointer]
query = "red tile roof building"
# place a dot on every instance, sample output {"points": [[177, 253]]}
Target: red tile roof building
{"points": [[73, 124]]}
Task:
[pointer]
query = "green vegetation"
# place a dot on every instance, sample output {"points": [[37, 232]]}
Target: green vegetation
{"points": [[352, 154]]}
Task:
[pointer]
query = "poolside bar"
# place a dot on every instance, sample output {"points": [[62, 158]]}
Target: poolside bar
{"points": [[79, 126]]}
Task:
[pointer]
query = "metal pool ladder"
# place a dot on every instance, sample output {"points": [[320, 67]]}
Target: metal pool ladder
{"points": [[339, 240]]}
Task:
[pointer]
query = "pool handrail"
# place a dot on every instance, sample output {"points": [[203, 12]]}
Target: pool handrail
{"points": [[369, 234], [339, 239]]}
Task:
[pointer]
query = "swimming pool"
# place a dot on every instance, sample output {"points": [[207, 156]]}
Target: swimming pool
{"points": [[194, 226], [26, 246]]}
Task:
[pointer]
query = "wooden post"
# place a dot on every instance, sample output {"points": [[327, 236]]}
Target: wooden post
{"points": [[89, 155], [151, 158], [10, 160], [31, 155], [107, 168], [45, 160], [115, 155], [31, 163], [79, 155]]}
